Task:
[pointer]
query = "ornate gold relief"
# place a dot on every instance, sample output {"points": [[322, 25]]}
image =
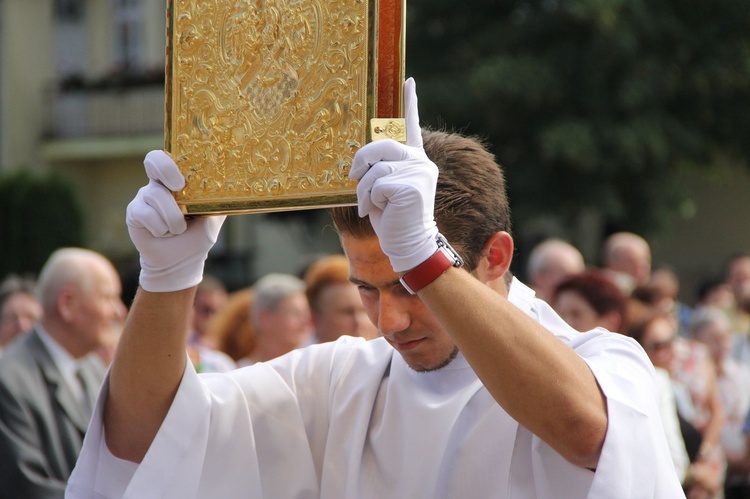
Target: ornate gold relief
{"points": [[267, 101]]}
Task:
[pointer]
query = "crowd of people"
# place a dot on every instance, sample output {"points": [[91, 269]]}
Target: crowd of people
{"points": [[461, 382], [699, 351], [58, 335]]}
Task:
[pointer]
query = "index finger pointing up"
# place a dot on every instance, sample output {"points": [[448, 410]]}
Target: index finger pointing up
{"points": [[411, 114]]}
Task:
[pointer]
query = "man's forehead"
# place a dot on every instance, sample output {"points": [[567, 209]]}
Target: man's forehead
{"points": [[361, 248], [367, 262]]}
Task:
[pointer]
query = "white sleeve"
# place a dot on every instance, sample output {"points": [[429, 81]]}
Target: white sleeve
{"points": [[635, 459], [98, 473], [634, 462], [202, 421], [216, 428]]}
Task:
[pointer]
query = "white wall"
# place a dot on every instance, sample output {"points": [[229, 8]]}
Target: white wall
{"points": [[720, 226]]}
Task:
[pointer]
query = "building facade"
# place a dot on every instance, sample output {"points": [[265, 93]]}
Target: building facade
{"points": [[82, 92]]}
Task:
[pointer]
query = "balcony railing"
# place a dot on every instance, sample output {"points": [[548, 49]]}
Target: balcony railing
{"points": [[88, 113]]}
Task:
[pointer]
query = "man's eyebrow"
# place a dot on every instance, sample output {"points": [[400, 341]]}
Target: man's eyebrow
{"points": [[360, 282], [357, 282]]}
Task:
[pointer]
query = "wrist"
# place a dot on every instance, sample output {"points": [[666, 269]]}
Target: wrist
{"points": [[433, 267], [182, 276], [411, 254]]}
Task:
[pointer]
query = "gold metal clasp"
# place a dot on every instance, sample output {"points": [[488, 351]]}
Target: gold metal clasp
{"points": [[388, 128]]}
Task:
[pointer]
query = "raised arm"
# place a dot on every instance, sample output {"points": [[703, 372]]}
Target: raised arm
{"points": [[541, 382], [537, 379], [150, 358]]}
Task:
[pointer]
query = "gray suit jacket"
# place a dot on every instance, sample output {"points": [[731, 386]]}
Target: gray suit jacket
{"points": [[41, 422]]}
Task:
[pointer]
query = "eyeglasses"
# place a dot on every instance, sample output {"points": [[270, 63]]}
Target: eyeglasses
{"points": [[659, 345]]}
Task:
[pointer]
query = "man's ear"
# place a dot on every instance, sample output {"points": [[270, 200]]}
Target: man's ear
{"points": [[65, 303], [498, 251]]}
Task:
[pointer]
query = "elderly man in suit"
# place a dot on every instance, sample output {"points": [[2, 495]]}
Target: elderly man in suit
{"points": [[49, 379]]}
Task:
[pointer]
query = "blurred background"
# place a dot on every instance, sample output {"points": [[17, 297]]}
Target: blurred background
{"points": [[607, 115]]}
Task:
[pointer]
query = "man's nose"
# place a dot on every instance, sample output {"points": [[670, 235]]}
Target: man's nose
{"points": [[393, 314], [119, 310]]}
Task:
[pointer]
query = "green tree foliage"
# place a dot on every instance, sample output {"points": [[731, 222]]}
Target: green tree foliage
{"points": [[40, 213], [589, 103]]}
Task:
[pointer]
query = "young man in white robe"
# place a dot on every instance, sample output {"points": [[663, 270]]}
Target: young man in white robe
{"points": [[476, 388]]}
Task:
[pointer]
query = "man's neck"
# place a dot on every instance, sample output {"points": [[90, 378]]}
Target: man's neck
{"points": [[60, 335]]}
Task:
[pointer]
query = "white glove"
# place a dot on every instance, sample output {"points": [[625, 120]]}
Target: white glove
{"points": [[173, 250], [396, 189]]}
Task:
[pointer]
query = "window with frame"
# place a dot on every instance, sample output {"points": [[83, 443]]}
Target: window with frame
{"points": [[128, 33]]}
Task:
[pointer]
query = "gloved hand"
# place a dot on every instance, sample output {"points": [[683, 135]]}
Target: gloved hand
{"points": [[396, 189], [173, 250]]}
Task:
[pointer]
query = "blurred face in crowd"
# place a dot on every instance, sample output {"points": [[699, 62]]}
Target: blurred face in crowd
{"points": [[658, 341], [94, 308], [720, 296], [18, 315], [577, 311], [629, 254], [742, 296], [553, 275], [738, 278], [550, 263], [340, 311], [634, 260], [667, 286], [289, 324], [206, 304], [716, 335]]}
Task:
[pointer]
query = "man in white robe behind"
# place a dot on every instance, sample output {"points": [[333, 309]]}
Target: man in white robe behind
{"points": [[476, 389]]}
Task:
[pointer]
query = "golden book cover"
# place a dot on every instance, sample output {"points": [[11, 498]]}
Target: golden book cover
{"points": [[268, 100]]}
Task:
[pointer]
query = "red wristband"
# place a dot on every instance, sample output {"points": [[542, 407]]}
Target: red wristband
{"points": [[432, 268]]}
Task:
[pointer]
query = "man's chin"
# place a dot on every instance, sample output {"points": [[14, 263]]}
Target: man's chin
{"points": [[421, 367]]}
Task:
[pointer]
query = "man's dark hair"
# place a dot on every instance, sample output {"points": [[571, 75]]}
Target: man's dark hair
{"points": [[470, 204]]}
